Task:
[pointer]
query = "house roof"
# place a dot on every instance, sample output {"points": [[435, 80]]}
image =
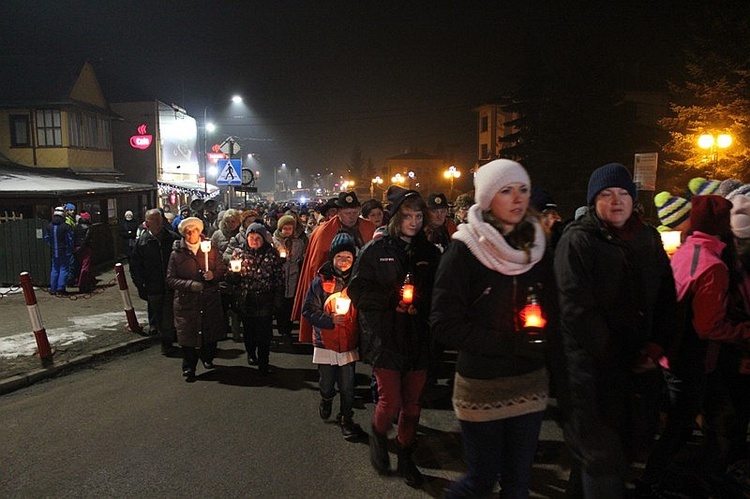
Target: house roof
{"points": [[17, 181]]}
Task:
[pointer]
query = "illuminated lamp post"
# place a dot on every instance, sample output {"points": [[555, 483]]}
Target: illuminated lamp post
{"points": [[210, 127], [376, 180], [451, 173], [398, 179], [708, 141]]}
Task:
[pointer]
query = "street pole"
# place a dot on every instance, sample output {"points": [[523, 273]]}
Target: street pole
{"points": [[205, 152]]}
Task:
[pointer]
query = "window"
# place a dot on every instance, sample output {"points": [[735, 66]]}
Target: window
{"points": [[484, 123], [48, 128], [75, 129], [19, 130], [485, 152]]}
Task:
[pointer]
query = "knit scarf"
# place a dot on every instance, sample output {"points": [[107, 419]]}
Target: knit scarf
{"points": [[193, 247], [489, 246]]}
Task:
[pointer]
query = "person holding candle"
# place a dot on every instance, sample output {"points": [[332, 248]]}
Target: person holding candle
{"points": [[395, 335], [493, 281], [194, 272], [291, 249], [617, 307], [260, 290], [335, 333]]}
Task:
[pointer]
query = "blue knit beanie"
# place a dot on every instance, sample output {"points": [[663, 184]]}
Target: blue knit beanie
{"points": [[609, 175]]}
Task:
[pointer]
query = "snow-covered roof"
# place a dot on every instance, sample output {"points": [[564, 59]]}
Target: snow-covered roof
{"points": [[21, 183]]}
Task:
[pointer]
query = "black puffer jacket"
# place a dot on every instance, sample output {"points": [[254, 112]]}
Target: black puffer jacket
{"points": [[389, 339]]}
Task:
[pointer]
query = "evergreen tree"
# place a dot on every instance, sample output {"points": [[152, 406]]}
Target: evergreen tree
{"points": [[714, 98]]}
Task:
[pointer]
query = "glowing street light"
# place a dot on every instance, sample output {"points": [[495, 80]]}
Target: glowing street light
{"points": [[708, 141], [210, 127], [451, 173], [398, 179], [376, 180]]}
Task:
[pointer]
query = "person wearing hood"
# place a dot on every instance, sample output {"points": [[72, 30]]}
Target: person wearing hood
{"points": [[617, 307], [391, 288], [292, 249], [494, 267], [198, 315], [59, 236], [335, 333], [83, 252], [259, 289]]}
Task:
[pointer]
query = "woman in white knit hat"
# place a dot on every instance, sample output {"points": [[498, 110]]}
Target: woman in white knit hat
{"points": [[495, 265]]}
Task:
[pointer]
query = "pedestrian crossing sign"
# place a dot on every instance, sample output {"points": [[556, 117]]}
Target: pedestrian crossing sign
{"points": [[229, 172]]}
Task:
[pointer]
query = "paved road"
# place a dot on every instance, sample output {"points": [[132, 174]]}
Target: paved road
{"points": [[131, 427]]}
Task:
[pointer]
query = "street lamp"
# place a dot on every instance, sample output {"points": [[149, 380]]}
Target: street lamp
{"points": [[398, 179], [451, 173], [708, 141], [210, 127], [376, 180]]}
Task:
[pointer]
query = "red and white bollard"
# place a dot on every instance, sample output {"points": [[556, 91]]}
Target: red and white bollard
{"points": [[133, 324], [40, 334]]}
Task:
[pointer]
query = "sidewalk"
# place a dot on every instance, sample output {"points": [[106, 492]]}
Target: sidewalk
{"points": [[80, 328]]}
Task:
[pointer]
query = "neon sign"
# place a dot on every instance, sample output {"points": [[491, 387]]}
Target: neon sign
{"points": [[141, 141]]}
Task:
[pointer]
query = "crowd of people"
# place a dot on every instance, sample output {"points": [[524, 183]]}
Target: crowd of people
{"points": [[639, 348]]}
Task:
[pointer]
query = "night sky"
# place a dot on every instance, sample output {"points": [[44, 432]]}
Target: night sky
{"points": [[320, 78]]}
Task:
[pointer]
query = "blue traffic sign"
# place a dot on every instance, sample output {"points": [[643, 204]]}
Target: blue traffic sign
{"points": [[229, 172]]}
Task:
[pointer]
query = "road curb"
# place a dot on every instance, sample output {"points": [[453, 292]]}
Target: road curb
{"points": [[24, 380]]}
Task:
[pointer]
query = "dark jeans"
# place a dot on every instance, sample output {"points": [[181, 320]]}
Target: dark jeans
{"points": [[503, 448], [284, 317], [344, 377], [685, 398], [161, 316], [258, 333], [398, 393]]}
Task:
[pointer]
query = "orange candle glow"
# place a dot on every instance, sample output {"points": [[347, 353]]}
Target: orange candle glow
{"points": [[532, 316], [407, 293]]}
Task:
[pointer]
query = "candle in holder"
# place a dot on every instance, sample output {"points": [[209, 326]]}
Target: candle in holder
{"points": [[341, 305], [671, 240], [235, 265], [533, 319], [205, 248], [282, 253], [407, 290]]}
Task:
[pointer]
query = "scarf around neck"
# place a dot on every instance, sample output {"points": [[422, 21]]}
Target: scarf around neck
{"points": [[490, 247]]}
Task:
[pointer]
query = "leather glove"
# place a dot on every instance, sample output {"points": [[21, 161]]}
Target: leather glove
{"points": [[196, 286]]}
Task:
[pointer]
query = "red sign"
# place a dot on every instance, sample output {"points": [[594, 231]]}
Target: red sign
{"points": [[141, 141]]}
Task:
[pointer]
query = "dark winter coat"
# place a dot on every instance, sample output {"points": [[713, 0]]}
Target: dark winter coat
{"points": [[82, 234], [390, 339], [617, 297], [128, 229], [477, 311], [148, 263], [198, 316], [258, 288], [59, 236], [295, 252], [318, 311]]}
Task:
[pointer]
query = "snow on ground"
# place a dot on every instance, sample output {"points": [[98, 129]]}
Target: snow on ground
{"points": [[24, 344]]}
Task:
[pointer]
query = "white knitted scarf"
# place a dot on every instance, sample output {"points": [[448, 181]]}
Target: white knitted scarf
{"points": [[489, 246]]}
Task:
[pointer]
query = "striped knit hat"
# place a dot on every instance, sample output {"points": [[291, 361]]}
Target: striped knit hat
{"points": [[699, 186], [671, 210]]}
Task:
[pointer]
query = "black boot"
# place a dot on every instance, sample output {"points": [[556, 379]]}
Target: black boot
{"points": [[407, 469], [349, 429], [379, 452]]}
